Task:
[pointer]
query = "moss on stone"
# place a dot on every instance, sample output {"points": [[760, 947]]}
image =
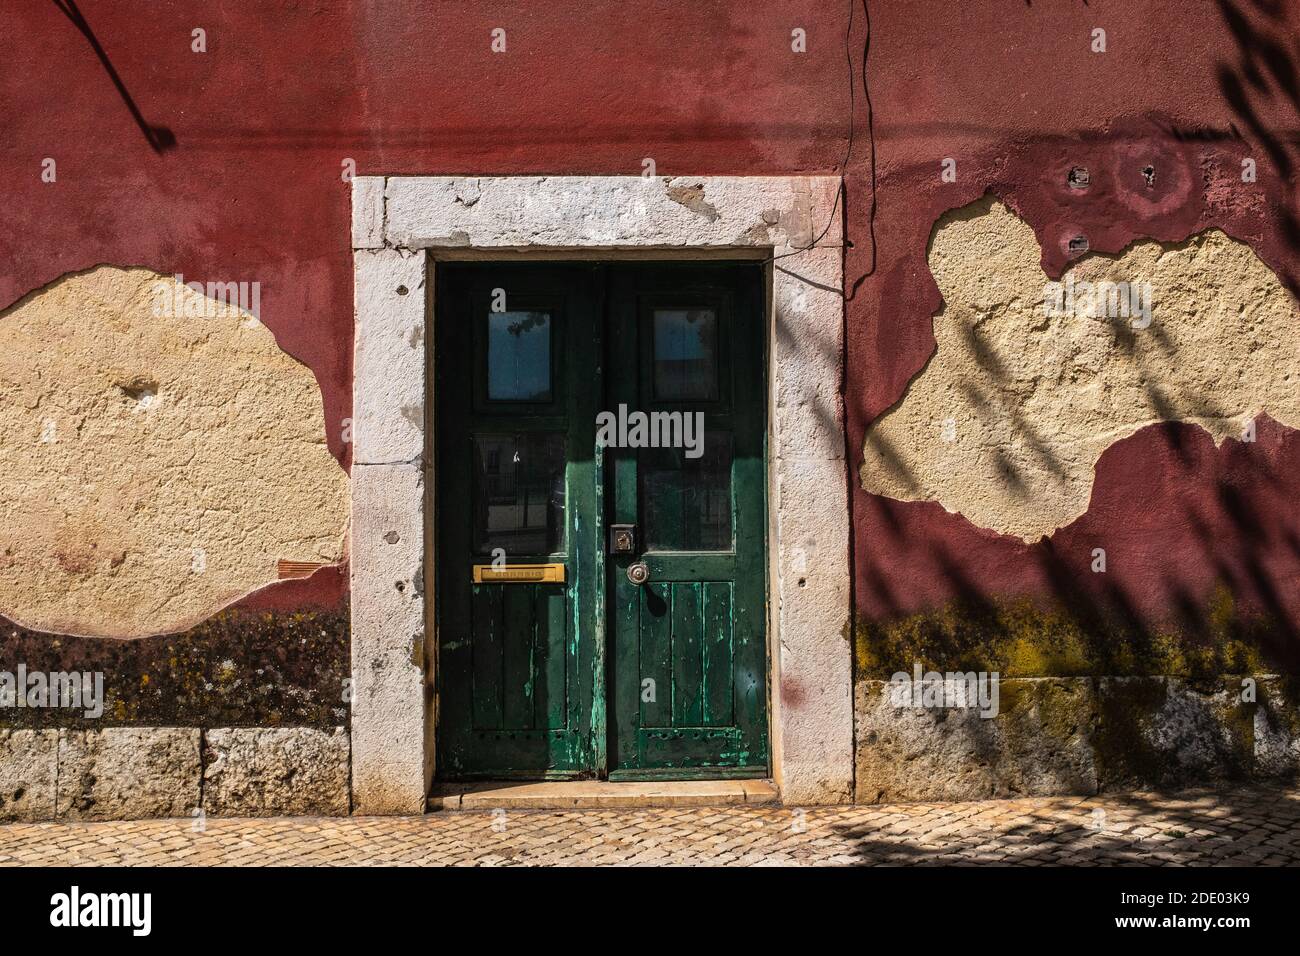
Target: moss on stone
{"points": [[238, 668], [1061, 707], [1023, 639], [1169, 732], [1122, 750]]}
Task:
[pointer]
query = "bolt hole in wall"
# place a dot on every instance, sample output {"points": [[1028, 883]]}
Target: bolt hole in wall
{"points": [[601, 441]]}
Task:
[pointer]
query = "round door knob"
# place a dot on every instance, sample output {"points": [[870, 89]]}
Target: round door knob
{"points": [[638, 573]]}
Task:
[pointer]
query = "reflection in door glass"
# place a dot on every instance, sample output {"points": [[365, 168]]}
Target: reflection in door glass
{"points": [[686, 355], [686, 502], [519, 357], [519, 493]]}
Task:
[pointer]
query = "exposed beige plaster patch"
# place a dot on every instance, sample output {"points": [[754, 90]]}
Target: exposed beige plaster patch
{"points": [[1007, 421], [692, 197], [153, 467]]}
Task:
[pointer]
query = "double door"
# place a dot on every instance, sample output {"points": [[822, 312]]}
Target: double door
{"points": [[601, 520]]}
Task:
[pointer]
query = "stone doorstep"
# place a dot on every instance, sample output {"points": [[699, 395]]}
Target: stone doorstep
{"points": [[592, 794]]}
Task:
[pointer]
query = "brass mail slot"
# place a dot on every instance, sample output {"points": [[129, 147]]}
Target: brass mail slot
{"points": [[520, 574]]}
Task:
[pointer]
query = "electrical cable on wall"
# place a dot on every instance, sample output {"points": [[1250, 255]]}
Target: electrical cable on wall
{"points": [[848, 154]]}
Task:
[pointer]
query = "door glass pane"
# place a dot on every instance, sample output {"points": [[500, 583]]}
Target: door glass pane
{"points": [[519, 493], [519, 356], [686, 502], [686, 355]]}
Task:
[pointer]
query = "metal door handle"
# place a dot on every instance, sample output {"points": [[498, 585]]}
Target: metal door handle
{"points": [[638, 573]]}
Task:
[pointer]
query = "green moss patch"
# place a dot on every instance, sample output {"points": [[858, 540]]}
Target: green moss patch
{"points": [[1023, 639]]}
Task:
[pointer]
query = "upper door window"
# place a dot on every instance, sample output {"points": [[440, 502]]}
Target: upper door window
{"points": [[519, 356], [685, 355]]}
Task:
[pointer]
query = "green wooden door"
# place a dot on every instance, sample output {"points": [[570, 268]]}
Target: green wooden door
{"points": [[516, 486], [596, 675], [689, 652]]}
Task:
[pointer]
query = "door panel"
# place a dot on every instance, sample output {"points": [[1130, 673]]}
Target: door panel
{"points": [[598, 676], [688, 647], [518, 644], [516, 485], [717, 633]]}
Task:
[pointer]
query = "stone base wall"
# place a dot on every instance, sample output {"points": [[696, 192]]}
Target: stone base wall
{"points": [[1077, 735], [1051, 736], [123, 773]]}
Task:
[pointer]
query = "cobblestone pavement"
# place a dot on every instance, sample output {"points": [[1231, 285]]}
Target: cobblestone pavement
{"points": [[1259, 826]]}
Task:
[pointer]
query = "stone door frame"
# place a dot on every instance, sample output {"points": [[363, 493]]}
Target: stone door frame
{"points": [[403, 225]]}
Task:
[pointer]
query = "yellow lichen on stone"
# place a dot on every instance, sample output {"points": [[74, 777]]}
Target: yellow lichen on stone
{"points": [[160, 454], [1007, 421]]}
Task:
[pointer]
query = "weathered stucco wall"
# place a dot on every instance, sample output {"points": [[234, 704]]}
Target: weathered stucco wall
{"points": [[228, 183], [1004, 451], [1028, 388], [224, 182], [1171, 153], [161, 457]]}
